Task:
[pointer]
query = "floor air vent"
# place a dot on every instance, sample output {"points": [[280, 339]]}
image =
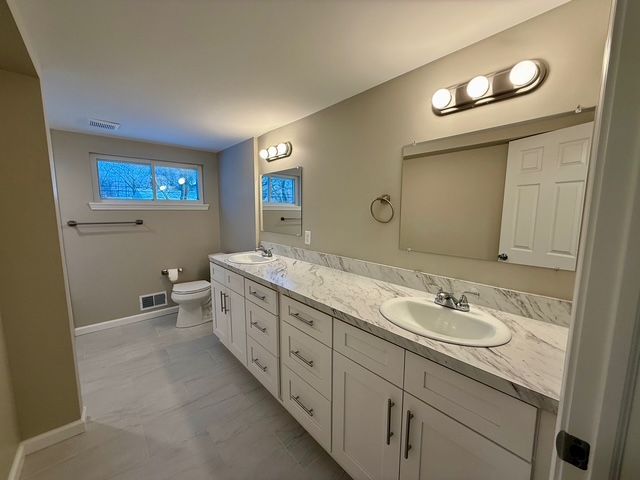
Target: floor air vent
{"points": [[104, 124], [153, 300]]}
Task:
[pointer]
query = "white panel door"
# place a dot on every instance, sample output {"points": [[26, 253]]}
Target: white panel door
{"points": [[544, 198], [436, 447], [237, 330], [366, 422], [220, 317]]}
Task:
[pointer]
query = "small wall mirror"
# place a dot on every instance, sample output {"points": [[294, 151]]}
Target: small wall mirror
{"points": [[513, 194], [281, 202]]}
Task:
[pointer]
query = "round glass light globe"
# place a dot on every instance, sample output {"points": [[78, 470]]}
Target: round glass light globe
{"points": [[523, 73], [273, 151], [478, 86], [182, 181], [441, 98], [282, 148], [264, 154]]}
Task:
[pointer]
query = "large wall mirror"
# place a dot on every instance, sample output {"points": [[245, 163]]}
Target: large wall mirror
{"points": [[513, 194], [281, 201]]}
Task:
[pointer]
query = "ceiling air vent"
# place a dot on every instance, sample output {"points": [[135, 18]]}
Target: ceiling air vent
{"points": [[153, 300], [104, 124]]}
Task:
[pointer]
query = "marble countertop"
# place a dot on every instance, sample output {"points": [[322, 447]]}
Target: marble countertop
{"points": [[529, 367]]}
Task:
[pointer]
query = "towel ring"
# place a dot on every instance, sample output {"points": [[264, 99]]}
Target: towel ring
{"points": [[386, 198]]}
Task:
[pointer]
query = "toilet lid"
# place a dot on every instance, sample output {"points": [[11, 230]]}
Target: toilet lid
{"points": [[191, 287]]}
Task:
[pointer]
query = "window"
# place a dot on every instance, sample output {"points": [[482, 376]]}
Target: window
{"points": [[279, 190], [134, 183]]}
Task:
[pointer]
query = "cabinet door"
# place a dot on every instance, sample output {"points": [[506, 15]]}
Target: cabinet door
{"points": [[436, 447], [237, 333], [366, 421], [220, 317]]}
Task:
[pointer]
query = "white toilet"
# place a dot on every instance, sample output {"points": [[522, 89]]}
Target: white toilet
{"points": [[191, 297]]}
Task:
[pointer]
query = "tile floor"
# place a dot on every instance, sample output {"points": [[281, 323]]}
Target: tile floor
{"points": [[164, 404]]}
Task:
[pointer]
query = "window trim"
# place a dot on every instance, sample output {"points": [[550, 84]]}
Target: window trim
{"points": [[154, 204]]}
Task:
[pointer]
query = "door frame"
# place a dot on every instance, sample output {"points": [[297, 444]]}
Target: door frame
{"points": [[604, 337]]}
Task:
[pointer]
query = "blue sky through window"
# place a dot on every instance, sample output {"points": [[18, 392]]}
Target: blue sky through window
{"points": [[176, 183], [278, 190], [124, 181], [131, 180]]}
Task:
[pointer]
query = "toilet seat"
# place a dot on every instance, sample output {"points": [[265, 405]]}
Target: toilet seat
{"points": [[188, 288]]}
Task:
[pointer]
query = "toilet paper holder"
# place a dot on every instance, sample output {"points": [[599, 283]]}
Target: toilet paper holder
{"points": [[165, 271]]}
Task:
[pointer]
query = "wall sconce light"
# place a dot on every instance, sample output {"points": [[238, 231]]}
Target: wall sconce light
{"points": [[521, 78], [274, 152]]}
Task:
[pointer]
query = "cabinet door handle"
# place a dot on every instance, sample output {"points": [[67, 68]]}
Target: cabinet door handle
{"points": [[226, 308], [309, 411], [259, 365], [296, 354], [407, 446], [262, 329], [390, 405], [297, 316], [257, 295], [221, 302]]}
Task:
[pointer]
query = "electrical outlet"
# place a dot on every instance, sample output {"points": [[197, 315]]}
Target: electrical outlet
{"points": [[307, 237]]}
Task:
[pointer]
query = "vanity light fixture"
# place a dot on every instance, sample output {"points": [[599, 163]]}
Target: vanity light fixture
{"points": [[521, 78], [275, 152]]}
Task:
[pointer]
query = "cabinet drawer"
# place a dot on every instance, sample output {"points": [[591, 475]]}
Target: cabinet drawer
{"points": [[264, 366], [504, 419], [307, 319], [308, 407], [226, 278], [262, 326], [261, 295], [307, 357], [379, 356]]}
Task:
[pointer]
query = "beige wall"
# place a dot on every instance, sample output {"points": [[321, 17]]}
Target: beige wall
{"points": [[236, 167], [452, 202], [32, 289], [9, 435], [110, 267], [351, 152]]}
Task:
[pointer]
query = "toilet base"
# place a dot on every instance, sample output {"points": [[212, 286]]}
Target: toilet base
{"points": [[190, 315]]}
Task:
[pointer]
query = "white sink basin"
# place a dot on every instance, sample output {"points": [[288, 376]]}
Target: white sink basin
{"points": [[250, 258], [423, 317]]}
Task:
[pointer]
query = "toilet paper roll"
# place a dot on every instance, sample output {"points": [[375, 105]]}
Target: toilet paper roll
{"points": [[173, 274]]}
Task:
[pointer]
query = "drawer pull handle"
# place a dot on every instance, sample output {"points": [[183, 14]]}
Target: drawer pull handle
{"points": [[259, 365], [297, 316], [309, 411], [221, 302], [407, 446], [300, 357], [257, 295], [262, 329], [390, 405]]}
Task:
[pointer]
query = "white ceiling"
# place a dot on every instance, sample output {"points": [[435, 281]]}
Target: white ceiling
{"points": [[207, 74]]}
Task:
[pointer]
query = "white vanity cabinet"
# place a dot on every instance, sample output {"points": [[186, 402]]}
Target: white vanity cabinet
{"points": [[229, 323], [382, 412], [229, 320], [437, 447], [366, 421]]}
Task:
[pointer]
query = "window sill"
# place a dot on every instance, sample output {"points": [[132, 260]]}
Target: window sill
{"points": [[148, 206]]}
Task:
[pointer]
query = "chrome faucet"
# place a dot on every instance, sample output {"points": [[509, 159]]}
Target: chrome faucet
{"points": [[446, 299], [266, 252]]}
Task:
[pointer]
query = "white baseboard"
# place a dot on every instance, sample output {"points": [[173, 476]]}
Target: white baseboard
{"points": [[16, 466], [45, 440], [118, 322], [56, 435]]}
